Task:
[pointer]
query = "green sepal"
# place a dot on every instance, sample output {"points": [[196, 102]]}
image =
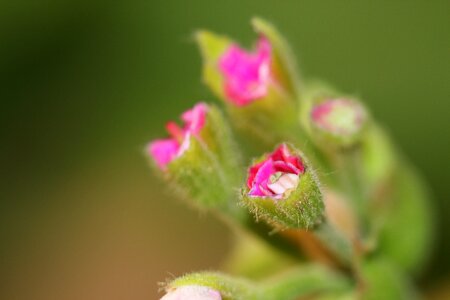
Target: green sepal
{"points": [[197, 173], [212, 46], [218, 137], [266, 122], [328, 141], [303, 208], [284, 65]]}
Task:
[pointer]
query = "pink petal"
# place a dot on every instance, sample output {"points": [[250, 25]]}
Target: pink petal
{"points": [[246, 74], [293, 164], [163, 151], [195, 118], [252, 174], [259, 185], [286, 167]]}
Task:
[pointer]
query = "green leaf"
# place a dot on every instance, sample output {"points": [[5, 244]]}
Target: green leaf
{"points": [[407, 235], [382, 280]]}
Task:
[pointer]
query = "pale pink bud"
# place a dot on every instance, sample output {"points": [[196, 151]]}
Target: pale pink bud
{"points": [[192, 292], [339, 117]]}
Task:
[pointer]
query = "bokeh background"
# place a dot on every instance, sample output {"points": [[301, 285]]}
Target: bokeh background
{"points": [[85, 84]]}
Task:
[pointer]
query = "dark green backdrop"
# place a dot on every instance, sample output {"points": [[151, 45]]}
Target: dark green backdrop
{"points": [[85, 84]]}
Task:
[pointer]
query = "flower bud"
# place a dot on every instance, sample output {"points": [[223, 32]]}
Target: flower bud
{"points": [[212, 286], [164, 151], [333, 120], [282, 189], [199, 158], [246, 75], [304, 282], [259, 87], [192, 292]]}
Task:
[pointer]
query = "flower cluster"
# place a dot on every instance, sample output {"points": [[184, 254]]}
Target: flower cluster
{"points": [[327, 184]]}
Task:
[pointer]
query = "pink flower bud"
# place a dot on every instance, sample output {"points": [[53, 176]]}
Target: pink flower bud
{"points": [[283, 190], [163, 151], [192, 292], [339, 117], [246, 75], [276, 175]]}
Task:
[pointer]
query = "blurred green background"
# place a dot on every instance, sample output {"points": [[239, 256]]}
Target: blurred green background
{"points": [[85, 84]]}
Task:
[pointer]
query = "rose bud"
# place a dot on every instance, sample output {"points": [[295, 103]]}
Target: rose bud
{"points": [[259, 86], [199, 157], [283, 190]]}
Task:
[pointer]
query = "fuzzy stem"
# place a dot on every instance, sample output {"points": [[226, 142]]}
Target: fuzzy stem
{"points": [[349, 163], [246, 223], [335, 241]]}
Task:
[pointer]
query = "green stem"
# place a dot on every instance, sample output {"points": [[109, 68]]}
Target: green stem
{"points": [[340, 246], [246, 223], [349, 164]]}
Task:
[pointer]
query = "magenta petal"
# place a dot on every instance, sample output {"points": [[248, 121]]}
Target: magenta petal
{"points": [[286, 167], [195, 118], [259, 175], [259, 186], [246, 74], [253, 170], [163, 151]]}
